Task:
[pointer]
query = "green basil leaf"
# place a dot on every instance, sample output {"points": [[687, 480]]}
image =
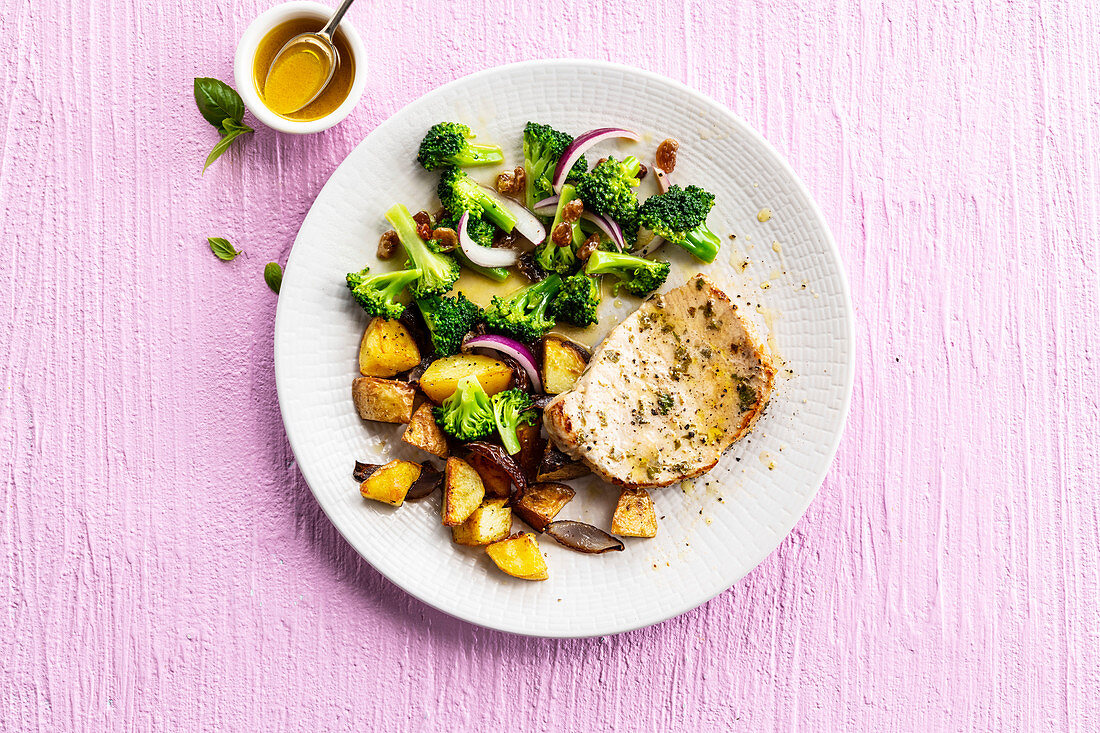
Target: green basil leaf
{"points": [[221, 147], [229, 126], [217, 101], [222, 249], [273, 276]]}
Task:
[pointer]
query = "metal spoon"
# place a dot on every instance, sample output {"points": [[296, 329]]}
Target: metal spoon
{"points": [[321, 41]]}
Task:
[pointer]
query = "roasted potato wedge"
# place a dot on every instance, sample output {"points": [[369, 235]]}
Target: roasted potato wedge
{"points": [[440, 380], [556, 466], [390, 483], [383, 400], [463, 492], [387, 348], [519, 556], [540, 503], [490, 522], [425, 433], [531, 446], [634, 515], [497, 481], [562, 363]]}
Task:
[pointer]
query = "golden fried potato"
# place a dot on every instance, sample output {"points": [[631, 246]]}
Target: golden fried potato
{"points": [[519, 556], [490, 522], [425, 433], [540, 503], [562, 363], [390, 483], [497, 481], [463, 492], [387, 348], [634, 515], [440, 379], [383, 400]]}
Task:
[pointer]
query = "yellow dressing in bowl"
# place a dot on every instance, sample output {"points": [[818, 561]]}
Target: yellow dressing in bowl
{"points": [[294, 78], [300, 72]]}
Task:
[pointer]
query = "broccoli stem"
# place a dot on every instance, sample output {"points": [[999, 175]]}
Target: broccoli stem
{"points": [[702, 243], [550, 255], [632, 166], [537, 297], [499, 274], [438, 271], [479, 155], [405, 226], [493, 211], [568, 194]]}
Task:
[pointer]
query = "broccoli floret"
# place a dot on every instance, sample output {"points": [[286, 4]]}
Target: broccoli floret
{"points": [[511, 409], [680, 216], [468, 413], [525, 313], [609, 190], [438, 271], [458, 193], [448, 143], [637, 274], [448, 320], [578, 300], [561, 259], [378, 293], [542, 149]]}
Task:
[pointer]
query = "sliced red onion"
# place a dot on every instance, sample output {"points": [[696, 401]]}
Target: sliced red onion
{"points": [[664, 180], [548, 205], [582, 143], [608, 226], [651, 246], [483, 256], [527, 224], [508, 347]]}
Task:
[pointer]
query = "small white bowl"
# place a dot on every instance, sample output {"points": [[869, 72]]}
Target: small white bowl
{"points": [[246, 53]]}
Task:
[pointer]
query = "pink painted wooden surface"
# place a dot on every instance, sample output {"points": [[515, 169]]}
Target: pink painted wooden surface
{"points": [[165, 567]]}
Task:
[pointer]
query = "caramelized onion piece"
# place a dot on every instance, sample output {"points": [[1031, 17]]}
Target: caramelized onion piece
{"points": [[529, 268], [417, 371], [520, 378], [414, 322], [582, 537], [431, 478], [500, 457], [363, 471], [540, 401]]}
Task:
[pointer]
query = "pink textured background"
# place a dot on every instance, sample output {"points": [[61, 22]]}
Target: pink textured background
{"points": [[165, 567]]}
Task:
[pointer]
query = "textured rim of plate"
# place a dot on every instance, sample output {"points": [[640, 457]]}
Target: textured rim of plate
{"points": [[832, 251]]}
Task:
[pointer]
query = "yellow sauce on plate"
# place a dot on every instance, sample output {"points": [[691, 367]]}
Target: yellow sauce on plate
{"points": [[300, 72]]}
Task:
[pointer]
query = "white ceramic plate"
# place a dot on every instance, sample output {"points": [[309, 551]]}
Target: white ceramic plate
{"points": [[711, 532]]}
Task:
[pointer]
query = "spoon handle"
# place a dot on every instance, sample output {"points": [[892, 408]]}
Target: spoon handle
{"points": [[330, 26]]}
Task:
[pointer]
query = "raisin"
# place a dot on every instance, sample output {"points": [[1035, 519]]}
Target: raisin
{"points": [[642, 171], [563, 234], [506, 181], [446, 238], [505, 240], [666, 154], [572, 211], [387, 245], [590, 245]]}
